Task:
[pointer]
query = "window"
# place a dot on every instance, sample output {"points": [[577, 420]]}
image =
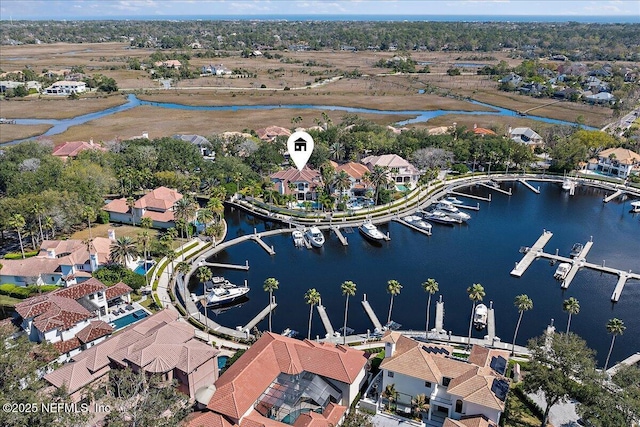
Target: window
{"points": [[427, 384], [446, 381], [390, 374], [459, 406]]}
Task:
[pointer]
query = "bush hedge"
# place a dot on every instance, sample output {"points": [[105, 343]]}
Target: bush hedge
{"points": [[22, 292], [18, 255]]}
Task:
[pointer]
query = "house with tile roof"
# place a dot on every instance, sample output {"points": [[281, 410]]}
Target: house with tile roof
{"points": [[618, 162], [356, 172], [157, 205], [280, 381], [73, 148], [59, 262], [401, 171], [162, 344], [270, 133], [303, 184], [455, 388], [482, 131]]}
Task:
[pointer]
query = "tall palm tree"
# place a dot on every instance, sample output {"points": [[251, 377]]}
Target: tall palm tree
{"points": [[571, 306], [88, 213], [131, 204], [337, 150], [342, 181], [311, 297], [348, 290], [204, 274], [38, 211], [523, 303], [143, 239], [431, 287], [615, 327], [270, 285], [146, 222], [393, 287], [205, 216], [378, 177], [171, 257], [183, 268], [216, 207], [123, 249], [17, 223], [185, 209], [476, 293], [49, 225]]}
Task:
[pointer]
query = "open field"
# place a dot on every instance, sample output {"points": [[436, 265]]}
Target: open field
{"points": [[51, 107], [13, 132]]}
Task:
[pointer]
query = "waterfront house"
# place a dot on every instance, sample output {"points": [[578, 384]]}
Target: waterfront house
{"points": [[270, 133], [73, 148], [512, 79], [162, 344], [31, 85], [356, 172], [482, 131], [157, 205], [66, 87], [454, 388], [281, 381], [170, 63], [59, 262], [618, 162], [526, 136], [401, 171], [600, 98], [201, 142], [302, 184]]}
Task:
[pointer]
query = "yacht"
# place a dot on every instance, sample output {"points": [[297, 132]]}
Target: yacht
{"points": [[562, 271], [370, 231], [222, 295], [568, 184], [441, 217], [298, 238], [480, 317], [315, 236], [418, 222], [575, 250], [218, 282], [448, 208], [453, 200], [635, 207]]}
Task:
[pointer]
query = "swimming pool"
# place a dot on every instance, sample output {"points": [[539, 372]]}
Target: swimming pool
{"points": [[222, 361], [142, 269], [129, 319]]}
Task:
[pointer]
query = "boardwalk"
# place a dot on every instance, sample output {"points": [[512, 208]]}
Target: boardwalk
{"points": [[532, 254], [264, 313], [325, 320], [613, 196], [529, 186], [440, 315], [500, 190], [341, 237], [258, 240], [227, 266], [472, 196], [577, 262], [491, 323], [421, 230], [374, 319]]}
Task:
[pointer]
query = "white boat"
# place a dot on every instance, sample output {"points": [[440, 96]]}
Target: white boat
{"points": [[418, 222], [568, 184], [315, 236], [448, 208], [493, 183], [562, 271], [218, 282], [298, 238], [635, 207], [575, 250], [480, 317], [370, 231], [441, 217], [223, 295], [411, 218], [454, 200]]}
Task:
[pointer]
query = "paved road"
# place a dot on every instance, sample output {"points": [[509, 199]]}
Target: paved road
{"points": [[561, 414]]}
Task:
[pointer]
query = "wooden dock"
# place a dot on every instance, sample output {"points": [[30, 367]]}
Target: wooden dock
{"points": [[403, 222], [227, 266], [264, 313], [491, 323], [472, 196], [529, 186], [374, 319], [325, 320], [258, 240], [343, 240], [613, 196], [500, 190], [533, 253], [440, 315]]}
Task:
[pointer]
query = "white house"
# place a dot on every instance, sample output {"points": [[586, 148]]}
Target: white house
{"points": [[66, 87], [402, 172], [526, 136], [619, 162], [303, 184]]}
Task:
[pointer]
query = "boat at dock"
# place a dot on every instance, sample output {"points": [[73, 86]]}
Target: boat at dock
{"points": [[480, 317], [493, 183], [298, 238], [576, 249], [568, 184], [562, 271], [289, 333], [218, 282], [440, 217], [452, 211], [315, 237], [418, 222], [224, 295], [454, 200], [635, 207], [370, 231]]}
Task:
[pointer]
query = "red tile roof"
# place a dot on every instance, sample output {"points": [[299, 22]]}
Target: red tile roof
{"points": [[271, 132], [206, 419], [68, 345], [483, 131], [117, 206], [81, 289], [353, 169], [62, 313], [73, 148], [96, 329], [307, 174], [162, 198], [117, 290]]}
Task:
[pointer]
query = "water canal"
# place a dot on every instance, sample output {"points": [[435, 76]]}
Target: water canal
{"points": [[484, 251]]}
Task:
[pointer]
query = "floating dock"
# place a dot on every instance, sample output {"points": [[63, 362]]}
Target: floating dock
{"points": [[577, 262], [491, 323], [529, 186], [343, 240], [472, 208], [269, 249], [440, 315], [325, 320], [421, 230], [227, 266], [498, 189], [472, 196], [374, 319], [533, 253], [612, 196], [264, 313]]}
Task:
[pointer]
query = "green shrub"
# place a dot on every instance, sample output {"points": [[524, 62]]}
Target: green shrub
{"points": [[114, 273], [103, 217], [18, 255]]}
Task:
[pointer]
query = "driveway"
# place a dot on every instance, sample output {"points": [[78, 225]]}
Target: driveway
{"points": [[562, 414]]}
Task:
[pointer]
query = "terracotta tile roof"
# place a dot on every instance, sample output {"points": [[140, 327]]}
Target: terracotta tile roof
{"points": [[387, 160], [239, 387], [329, 418], [62, 313], [117, 206], [623, 155], [96, 329], [206, 419], [117, 290], [271, 132], [166, 216], [414, 363], [68, 345], [162, 198], [73, 148], [473, 421], [484, 357], [483, 131], [354, 170], [475, 386], [307, 174], [30, 266], [81, 289], [75, 375]]}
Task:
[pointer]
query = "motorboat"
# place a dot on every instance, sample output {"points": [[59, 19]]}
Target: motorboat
{"points": [[448, 208], [371, 232], [562, 271], [392, 326], [635, 207], [453, 200], [298, 238], [289, 333], [418, 222], [222, 308], [575, 250], [218, 282], [568, 184], [441, 217], [493, 183], [315, 236], [480, 317], [411, 218], [222, 295]]}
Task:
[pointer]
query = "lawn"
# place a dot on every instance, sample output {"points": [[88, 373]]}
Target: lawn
{"points": [[518, 414], [8, 301], [101, 230]]}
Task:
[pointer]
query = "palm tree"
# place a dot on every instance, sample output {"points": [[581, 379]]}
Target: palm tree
{"points": [[181, 225], [476, 293], [348, 290], [523, 303], [311, 297], [143, 239], [270, 285], [17, 223], [615, 327], [342, 181], [49, 225], [337, 150], [171, 256], [420, 403], [123, 249], [431, 287], [38, 210], [183, 268], [390, 393], [393, 287], [88, 213], [205, 216], [131, 204], [146, 222], [216, 207], [571, 306], [185, 209], [378, 177], [204, 274]]}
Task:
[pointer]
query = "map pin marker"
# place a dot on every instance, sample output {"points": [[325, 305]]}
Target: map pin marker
{"points": [[300, 146]]}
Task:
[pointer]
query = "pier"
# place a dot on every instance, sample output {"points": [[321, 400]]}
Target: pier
{"points": [[258, 240], [529, 186], [577, 263], [472, 196], [325, 319], [533, 253], [498, 189], [612, 196], [421, 230], [374, 319], [471, 208], [343, 240], [227, 266], [491, 323], [264, 313], [440, 315], [615, 296]]}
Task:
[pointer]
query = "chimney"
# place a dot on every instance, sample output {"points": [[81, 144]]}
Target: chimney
{"points": [[93, 262], [509, 132], [475, 126], [389, 348], [91, 141], [51, 253], [111, 233]]}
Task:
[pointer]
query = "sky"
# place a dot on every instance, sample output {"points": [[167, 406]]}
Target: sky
{"points": [[115, 9]]}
